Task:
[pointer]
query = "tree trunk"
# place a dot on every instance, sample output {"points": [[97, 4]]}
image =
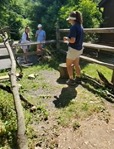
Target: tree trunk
{"points": [[63, 71], [21, 137]]}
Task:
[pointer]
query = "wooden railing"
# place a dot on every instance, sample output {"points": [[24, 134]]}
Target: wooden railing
{"points": [[4, 55], [89, 45], [86, 45], [93, 30]]}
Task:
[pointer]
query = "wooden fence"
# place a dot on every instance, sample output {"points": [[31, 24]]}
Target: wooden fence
{"points": [[5, 61], [86, 45], [89, 45]]}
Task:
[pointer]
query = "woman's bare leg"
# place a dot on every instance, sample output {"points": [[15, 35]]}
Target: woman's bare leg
{"points": [[26, 57], [77, 67], [69, 63], [39, 49]]}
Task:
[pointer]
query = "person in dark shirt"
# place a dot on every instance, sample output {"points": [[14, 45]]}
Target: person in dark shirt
{"points": [[75, 47]]}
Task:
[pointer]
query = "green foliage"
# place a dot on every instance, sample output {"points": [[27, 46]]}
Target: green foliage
{"points": [[76, 125], [7, 120], [12, 14], [19, 13], [89, 10]]}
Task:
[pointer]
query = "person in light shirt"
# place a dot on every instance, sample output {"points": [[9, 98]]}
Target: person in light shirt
{"points": [[25, 39], [41, 37]]}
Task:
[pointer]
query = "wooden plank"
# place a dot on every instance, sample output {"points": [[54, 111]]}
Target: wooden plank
{"points": [[111, 66], [99, 30], [6, 77], [5, 63], [99, 47], [112, 79], [96, 46], [93, 30], [33, 43], [2, 45], [3, 52]]}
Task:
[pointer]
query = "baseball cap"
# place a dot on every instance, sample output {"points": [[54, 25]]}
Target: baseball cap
{"points": [[39, 25]]}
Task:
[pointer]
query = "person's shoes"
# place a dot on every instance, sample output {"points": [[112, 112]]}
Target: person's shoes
{"points": [[70, 82], [78, 80]]}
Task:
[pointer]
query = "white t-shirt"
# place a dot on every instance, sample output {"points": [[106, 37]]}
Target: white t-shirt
{"points": [[24, 40]]}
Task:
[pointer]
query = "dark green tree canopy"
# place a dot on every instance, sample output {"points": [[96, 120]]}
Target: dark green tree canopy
{"points": [[19, 13]]}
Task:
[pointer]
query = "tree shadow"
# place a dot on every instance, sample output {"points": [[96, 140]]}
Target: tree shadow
{"points": [[10, 139], [67, 94]]}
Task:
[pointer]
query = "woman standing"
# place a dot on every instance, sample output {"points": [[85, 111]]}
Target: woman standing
{"points": [[25, 38], [75, 49]]}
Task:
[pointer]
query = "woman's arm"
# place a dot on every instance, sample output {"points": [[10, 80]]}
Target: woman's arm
{"points": [[69, 40], [36, 35]]}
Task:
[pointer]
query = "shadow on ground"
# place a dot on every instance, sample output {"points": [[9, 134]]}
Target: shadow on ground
{"points": [[67, 94], [61, 81]]}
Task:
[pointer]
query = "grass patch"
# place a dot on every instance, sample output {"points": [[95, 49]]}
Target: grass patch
{"points": [[80, 109], [91, 69]]}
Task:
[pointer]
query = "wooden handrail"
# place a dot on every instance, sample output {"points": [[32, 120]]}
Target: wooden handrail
{"points": [[93, 30], [99, 47], [111, 66], [96, 46], [33, 43]]}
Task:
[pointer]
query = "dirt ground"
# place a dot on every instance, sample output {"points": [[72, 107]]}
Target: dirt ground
{"points": [[95, 132]]}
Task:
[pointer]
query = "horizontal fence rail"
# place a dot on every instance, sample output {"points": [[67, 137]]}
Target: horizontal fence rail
{"points": [[92, 60], [16, 44], [93, 30], [4, 55], [33, 43], [96, 46]]}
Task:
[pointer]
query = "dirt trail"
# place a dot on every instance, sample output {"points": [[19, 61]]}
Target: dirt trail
{"points": [[95, 132]]}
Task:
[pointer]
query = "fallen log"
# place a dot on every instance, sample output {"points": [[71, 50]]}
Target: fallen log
{"points": [[109, 97], [105, 81], [21, 129], [6, 77], [91, 80], [97, 85], [8, 89]]}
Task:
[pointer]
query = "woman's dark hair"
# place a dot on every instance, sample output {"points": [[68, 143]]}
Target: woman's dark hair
{"points": [[78, 16]]}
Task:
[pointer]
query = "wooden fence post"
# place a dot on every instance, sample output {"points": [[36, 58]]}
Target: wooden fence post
{"points": [[112, 80], [57, 35]]}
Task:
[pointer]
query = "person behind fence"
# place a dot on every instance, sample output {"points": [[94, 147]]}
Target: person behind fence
{"points": [[25, 39], [41, 37], [75, 48]]}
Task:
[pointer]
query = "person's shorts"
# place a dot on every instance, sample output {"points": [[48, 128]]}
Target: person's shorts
{"points": [[73, 53], [24, 48]]}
